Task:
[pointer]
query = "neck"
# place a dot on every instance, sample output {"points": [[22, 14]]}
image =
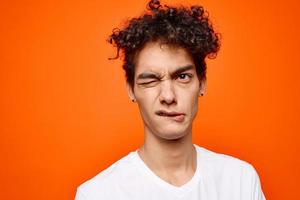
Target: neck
{"points": [[169, 157]]}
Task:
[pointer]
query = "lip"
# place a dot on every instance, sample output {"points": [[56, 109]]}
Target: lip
{"points": [[176, 116]]}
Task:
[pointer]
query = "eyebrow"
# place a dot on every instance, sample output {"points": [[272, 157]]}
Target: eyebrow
{"points": [[178, 71], [148, 75]]}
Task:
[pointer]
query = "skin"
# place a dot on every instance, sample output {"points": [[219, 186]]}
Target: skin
{"points": [[166, 90]]}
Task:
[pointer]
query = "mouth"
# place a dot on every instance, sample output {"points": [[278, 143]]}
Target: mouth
{"points": [[176, 116]]}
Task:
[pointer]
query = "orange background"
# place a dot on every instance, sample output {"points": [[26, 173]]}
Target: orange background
{"points": [[65, 114]]}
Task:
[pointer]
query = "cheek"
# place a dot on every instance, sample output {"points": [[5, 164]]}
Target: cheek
{"points": [[146, 94], [146, 100], [193, 101], [195, 105]]}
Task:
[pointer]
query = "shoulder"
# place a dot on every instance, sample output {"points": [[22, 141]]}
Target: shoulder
{"points": [[104, 182], [230, 174], [225, 165]]}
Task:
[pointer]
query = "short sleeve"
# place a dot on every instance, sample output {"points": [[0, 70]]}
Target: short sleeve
{"points": [[257, 193], [79, 195]]}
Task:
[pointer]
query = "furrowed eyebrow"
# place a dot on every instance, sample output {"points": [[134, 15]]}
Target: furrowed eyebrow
{"points": [[180, 70], [147, 76]]}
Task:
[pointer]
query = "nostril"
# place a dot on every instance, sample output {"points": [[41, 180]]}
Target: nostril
{"points": [[167, 98], [168, 102]]}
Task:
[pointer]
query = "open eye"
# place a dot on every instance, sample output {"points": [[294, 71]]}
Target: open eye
{"points": [[184, 78]]}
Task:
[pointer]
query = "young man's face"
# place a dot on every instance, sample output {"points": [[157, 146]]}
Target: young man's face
{"points": [[166, 89]]}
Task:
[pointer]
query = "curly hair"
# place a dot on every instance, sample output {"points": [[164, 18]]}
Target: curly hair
{"points": [[189, 28]]}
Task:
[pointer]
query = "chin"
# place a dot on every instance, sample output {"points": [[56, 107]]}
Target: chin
{"points": [[172, 134]]}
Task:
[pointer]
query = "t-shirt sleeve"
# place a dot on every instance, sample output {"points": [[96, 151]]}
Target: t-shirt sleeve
{"points": [[257, 193], [79, 195]]}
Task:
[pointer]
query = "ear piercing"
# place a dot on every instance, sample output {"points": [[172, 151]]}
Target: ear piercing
{"points": [[133, 100]]}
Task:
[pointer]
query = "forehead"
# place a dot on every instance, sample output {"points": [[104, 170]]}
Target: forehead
{"points": [[159, 57]]}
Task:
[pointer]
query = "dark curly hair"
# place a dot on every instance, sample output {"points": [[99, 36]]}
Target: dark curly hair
{"points": [[189, 28]]}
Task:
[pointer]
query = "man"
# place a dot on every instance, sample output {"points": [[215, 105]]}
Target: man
{"points": [[164, 60]]}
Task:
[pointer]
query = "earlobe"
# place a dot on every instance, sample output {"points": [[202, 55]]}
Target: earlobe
{"points": [[201, 93], [202, 87], [130, 92]]}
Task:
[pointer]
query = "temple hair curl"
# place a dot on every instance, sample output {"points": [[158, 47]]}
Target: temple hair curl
{"points": [[189, 28]]}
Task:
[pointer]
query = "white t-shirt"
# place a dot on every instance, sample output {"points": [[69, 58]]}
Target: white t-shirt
{"points": [[217, 177]]}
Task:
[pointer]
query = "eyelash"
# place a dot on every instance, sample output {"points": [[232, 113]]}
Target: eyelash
{"points": [[185, 74], [148, 82], [178, 76]]}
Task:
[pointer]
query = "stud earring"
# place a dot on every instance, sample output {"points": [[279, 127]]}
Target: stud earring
{"points": [[133, 100]]}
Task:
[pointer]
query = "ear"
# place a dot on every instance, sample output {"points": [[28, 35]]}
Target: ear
{"points": [[130, 92], [202, 86]]}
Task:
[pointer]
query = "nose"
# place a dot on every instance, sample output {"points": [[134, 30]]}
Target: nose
{"points": [[167, 94]]}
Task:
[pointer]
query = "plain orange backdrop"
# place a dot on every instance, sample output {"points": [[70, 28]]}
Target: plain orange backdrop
{"points": [[65, 114]]}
